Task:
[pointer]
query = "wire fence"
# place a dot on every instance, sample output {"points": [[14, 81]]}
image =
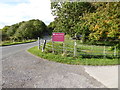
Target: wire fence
{"points": [[87, 51]]}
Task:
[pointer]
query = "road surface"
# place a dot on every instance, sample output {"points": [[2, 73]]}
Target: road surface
{"points": [[21, 69]]}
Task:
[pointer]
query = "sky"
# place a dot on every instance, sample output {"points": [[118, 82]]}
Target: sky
{"points": [[14, 11]]}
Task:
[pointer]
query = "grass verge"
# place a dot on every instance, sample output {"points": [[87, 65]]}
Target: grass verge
{"points": [[7, 43], [73, 60]]}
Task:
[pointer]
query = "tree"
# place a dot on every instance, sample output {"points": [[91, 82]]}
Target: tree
{"points": [[12, 29], [105, 22], [69, 14], [24, 30], [51, 27], [3, 33], [31, 30]]}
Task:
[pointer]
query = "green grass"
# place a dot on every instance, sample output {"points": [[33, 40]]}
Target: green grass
{"points": [[7, 43], [89, 51], [86, 54], [73, 60]]}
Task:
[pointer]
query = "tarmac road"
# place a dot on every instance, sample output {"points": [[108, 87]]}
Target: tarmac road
{"points": [[20, 69]]}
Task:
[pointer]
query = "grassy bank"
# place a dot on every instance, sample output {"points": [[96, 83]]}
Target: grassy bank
{"points": [[7, 43], [73, 60], [85, 54]]}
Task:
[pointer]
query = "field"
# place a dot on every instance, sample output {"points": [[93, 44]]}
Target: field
{"points": [[85, 54]]}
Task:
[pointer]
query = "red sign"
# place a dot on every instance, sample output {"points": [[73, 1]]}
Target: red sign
{"points": [[58, 37]]}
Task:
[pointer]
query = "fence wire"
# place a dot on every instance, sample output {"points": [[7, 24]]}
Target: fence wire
{"points": [[85, 50]]}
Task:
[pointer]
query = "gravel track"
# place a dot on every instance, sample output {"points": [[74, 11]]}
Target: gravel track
{"points": [[21, 69]]}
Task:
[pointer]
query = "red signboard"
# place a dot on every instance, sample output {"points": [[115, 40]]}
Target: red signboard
{"points": [[58, 37]]}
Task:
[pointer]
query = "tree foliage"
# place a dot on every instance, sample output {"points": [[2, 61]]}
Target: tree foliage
{"points": [[68, 14], [30, 29], [105, 23], [97, 22], [12, 29], [24, 30], [3, 33]]}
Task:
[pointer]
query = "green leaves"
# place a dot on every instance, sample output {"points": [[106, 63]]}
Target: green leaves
{"points": [[99, 21], [69, 14], [105, 22], [31, 29], [25, 30]]}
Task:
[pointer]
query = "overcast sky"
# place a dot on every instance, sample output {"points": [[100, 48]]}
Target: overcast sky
{"points": [[14, 11]]}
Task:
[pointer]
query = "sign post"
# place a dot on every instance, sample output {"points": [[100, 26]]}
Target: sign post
{"points": [[58, 37]]}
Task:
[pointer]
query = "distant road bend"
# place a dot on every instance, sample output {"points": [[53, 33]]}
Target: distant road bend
{"points": [[21, 69]]}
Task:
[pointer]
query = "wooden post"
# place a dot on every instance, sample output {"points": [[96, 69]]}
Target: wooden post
{"points": [[63, 47], [91, 50], [104, 53], [75, 44], [43, 45], [53, 47], [114, 51], [38, 43]]}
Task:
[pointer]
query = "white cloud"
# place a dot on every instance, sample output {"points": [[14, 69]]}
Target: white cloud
{"points": [[35, 9]]}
